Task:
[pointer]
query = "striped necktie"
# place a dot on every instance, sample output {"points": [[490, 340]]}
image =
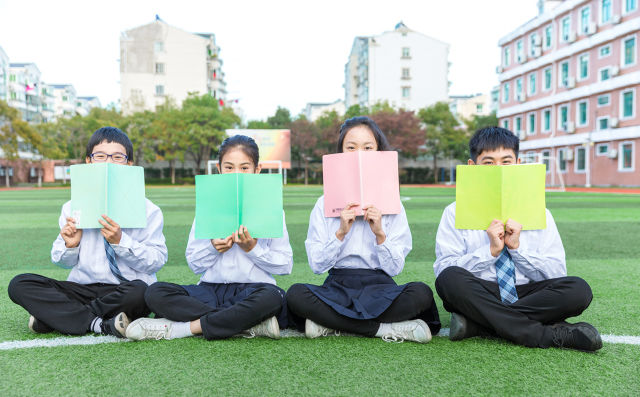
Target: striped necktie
{"points": [[111, 257], [506, 275]]}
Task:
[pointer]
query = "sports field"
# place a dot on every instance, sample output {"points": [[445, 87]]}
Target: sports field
{"points": [[601, 235]]}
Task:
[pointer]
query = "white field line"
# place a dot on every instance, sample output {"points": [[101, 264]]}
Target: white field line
{"points": [[287, 333]]}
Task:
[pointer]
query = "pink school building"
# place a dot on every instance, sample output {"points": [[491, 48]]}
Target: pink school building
{"points": [[569, 86]]}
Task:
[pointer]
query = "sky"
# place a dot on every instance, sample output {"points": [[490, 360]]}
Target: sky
{"points": [[275, 53]]}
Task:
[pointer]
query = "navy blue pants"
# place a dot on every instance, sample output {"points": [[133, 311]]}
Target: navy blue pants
{"points": [[224, 310]]}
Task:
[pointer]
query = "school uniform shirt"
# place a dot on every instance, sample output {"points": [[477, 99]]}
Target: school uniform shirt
{"points": [[540, 255], [269, 256], [359, 248], [139, 255]]}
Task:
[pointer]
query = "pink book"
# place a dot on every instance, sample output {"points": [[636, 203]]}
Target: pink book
{"points": [[361, 177]]}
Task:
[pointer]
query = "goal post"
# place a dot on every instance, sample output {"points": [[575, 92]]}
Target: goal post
{"points": [[554, 180], [267, 165]]}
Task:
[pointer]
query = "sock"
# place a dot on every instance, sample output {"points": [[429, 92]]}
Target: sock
{"points": [[385, 329], [181, 330], [96, 325]]}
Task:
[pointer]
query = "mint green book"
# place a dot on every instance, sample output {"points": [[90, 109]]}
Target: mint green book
{"points": [[488, 192], [106, 188], [224, 202]]}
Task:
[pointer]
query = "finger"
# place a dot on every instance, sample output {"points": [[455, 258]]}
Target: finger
{"points": [[106, 225], [111, 221], [351, 205], [71, 220]]}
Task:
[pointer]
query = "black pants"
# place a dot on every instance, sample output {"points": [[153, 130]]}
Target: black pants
{"points": [[70, 307], [527, 321], [235, 315], [414, 301]]}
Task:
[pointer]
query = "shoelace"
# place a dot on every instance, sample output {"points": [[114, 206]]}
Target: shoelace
{"points": [[327, 332], [392, 338], [156, 331]]}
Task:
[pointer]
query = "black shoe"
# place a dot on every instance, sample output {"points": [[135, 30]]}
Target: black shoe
{"points": [[579, 336], [116, 326], [38, 326], [462, 328]]}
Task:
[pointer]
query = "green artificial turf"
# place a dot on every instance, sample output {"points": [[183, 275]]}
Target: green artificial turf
{"points": [[599, 231]]}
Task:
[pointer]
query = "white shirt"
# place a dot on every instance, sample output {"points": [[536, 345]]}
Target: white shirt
{"points": [[140, 254], [540, 255], [359, 248], [269, 256]]}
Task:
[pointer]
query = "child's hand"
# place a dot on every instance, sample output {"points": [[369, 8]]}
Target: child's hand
{"points": [[347, 217], [374, 217], [512, 231], [110, 230], [222, 245], [244, 239], [496, 237], [70, 234]]}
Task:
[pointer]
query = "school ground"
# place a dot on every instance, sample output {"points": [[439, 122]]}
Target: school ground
{"points": [[601, 236]]}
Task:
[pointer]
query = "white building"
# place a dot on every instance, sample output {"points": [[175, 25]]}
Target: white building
{"points": [[84, 104], [64, 100], [4, 75], [403, 67], [467, 106], [24, 90], [313, 110], [48, 103], [159, 61]]}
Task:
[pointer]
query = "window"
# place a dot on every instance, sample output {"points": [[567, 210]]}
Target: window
{"points": [[507, 57], [603, 123], [13, 95], [158, 46], [602, 149], [564, 74], [505, 124], [479, 108], [532, 84], [519, 89], [548, 36], [406, 53], [604, 100], [605, 11], [583, 66], [562, 159], [582, 116], [159, 90], [627, 102], [563, 117], [518, 125], [625, 157], [545, 159], [604, 51], [405, 74], [406, 92], [12, 78], [519, 51], [629, 52], [546, 120], [505, 93], [605, 74], [65, 98], [533, 38], [581, 159], [565, 29], [531, 124], [159, 68], [547, 79], [585, 18], [630, 5]]}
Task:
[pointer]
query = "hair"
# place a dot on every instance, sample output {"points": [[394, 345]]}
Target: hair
{"points": [[110, 134], [381, 140], [246, 144], [492, 138]]}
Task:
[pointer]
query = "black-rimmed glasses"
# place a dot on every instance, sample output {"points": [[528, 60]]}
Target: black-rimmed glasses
{"points": [[100, 157]]}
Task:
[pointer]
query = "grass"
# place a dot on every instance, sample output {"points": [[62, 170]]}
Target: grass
{"points": [[599, 233]]}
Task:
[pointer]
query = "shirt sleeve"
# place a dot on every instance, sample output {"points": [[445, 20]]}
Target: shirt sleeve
{"points": [[200, 254], [273, 255], [451, 248], [60, 254], [544, 258], [321, 244], [148, 254], [395, 248]]}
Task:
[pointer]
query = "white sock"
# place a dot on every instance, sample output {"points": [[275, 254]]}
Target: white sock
{"points": [[96, 325], [181, 330], [385, 329]]}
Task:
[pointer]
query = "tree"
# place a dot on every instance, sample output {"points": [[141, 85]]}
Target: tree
{"points": [[13, 132], [258, 125], [169, 128], [356, 110], [477, 122], [328, 125], [402, 129], [443, 137], [281, 119], [304, 138]]}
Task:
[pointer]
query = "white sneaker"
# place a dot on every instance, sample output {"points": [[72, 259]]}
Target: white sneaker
{"points": [[313, 330], [150, 328], [412, 330], [268, 328]]}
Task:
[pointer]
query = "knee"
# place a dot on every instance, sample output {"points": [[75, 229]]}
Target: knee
{"points": [[16, 285], [154, 293], [135, 292], [581, 294], [295, 296], [421, 293], [450, 279], [272, 295]]}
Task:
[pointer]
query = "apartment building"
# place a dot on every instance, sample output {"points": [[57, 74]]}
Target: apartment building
{"points": [[4, 75]]}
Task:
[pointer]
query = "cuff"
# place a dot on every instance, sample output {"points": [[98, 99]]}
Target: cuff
{"points": [[258, 251], [484, 254], [126, 243]]}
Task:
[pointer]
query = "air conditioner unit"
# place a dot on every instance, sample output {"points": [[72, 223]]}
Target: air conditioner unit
{"points": [[523, 59], [571, 82], [615, 70], [537, 41], [522, 135], [522, 97], [613, 122], [569, 155], [592, 28], [537, 51], [613, 153], [571, 127], [616, 19], [572, 37], [499, 69]]}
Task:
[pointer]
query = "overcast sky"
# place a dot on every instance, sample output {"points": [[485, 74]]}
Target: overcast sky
{"points": [[283, 53]]}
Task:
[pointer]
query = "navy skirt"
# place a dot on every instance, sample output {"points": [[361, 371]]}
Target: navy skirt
{"points": [[220, 296]]}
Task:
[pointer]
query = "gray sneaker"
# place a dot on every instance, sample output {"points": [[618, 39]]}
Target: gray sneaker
{"points": [[314, 330], [412, 330], [268, 328], [150, 328]]}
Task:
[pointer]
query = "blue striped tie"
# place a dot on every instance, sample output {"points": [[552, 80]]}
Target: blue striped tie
{"points": [[111, 257], [506, 275]]}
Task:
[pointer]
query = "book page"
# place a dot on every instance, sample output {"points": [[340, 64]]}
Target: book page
{"points": [[380, 181], [523, 195], [126, 203], [261, 204], [341, 182], [88, 194], [478, 196], [216, 206]]}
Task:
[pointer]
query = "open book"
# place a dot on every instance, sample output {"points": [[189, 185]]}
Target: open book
{"points": [[106, 188], [226, 201], [361, 177], [488, 192]]}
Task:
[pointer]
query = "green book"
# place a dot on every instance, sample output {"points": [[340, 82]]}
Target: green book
{"points": [[106, 188], [488, 192], [226, 201]]}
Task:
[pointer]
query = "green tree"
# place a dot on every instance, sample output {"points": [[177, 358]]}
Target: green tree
{"points": [[169, 128], [477, 122], [13, 132], [281, 119], [304, 138], [356, 110], [258, 125]]}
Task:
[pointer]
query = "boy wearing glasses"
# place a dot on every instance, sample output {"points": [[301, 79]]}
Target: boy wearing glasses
{"points": [[110, 267]]}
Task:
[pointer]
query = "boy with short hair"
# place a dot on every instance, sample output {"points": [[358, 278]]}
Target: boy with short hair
{"points": [[507, 282], [110, 267]]}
